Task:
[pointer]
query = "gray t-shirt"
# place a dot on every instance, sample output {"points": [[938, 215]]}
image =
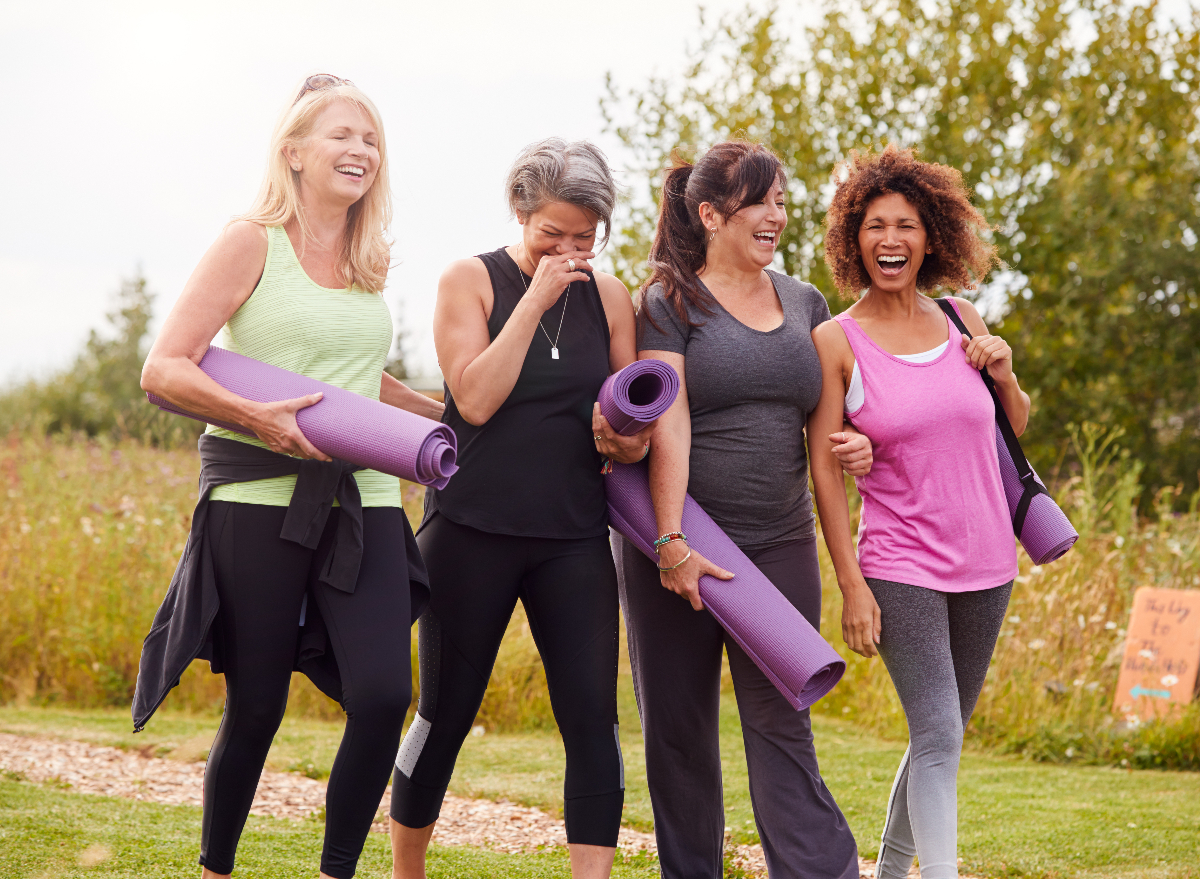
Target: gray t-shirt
{"points": [[750, 393]]}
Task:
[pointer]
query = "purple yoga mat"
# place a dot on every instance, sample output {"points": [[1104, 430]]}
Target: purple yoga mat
{"points": [[1046, 533], [790, 652], [343, 424], [638, 394]]}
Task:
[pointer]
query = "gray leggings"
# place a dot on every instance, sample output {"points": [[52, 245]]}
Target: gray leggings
{"points": [[937, 647]]}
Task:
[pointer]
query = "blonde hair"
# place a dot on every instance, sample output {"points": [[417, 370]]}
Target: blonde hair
{"points": [[366, 251]]}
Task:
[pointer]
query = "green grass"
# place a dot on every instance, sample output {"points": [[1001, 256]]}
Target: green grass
{"points": [[1017, 817], [48, 833]]}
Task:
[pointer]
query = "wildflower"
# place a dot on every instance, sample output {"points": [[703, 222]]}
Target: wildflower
{"points": [[1037, 644], [1119, 541], [1132, 721], [1110, 625], [26, 527], [1035, 570], [1146, 653], [1014, 619], [1078, 682], [86, 524], [1169, 680]]}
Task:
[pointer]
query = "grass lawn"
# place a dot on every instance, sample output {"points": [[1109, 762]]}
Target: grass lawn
{"points": [[1016, 817], [49, 833]]}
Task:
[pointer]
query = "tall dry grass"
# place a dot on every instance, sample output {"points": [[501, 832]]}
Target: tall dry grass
{"points": [[90, 533]]}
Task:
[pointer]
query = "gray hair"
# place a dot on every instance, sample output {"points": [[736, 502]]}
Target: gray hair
{"points": [[553, 170]]}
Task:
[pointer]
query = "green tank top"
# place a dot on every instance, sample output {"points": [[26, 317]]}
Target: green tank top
{"points": [[337, 336]]}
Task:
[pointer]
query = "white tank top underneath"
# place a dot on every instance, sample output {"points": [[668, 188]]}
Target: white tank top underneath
{"points": [[855, 396]]}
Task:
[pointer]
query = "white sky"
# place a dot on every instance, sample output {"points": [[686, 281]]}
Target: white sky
{"points": [[134, 130]]}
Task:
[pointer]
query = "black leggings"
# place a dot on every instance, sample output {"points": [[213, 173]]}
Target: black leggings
{"points": [[569, 589], [262, 580]]}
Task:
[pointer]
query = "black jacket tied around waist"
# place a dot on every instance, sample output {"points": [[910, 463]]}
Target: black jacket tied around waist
{"points": [[183, 626]]}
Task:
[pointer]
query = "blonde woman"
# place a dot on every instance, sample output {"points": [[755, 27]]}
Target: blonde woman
{"points": [[295, 282]]}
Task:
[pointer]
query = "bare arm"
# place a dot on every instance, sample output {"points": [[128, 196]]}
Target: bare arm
{"points": [[984, 349], [622, 351], [479, 371], [222, 282], [395, 393], [668, 486], [860, 612]]}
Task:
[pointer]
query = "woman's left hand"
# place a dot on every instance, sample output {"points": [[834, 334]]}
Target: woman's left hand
{"points": [[992, 352], [853, 451], [622, 449]]}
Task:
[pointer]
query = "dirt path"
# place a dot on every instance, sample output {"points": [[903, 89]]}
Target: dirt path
{"points": [[112, 772]]}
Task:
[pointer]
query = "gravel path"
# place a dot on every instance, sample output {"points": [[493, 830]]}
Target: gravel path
{"points": [[112, 772]]}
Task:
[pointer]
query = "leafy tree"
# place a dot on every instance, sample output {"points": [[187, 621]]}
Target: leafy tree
{"points": [[100, 393], [1073, 121]]}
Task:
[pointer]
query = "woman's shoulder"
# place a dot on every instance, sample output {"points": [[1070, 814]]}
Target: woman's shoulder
{"points": [[808, 298]]}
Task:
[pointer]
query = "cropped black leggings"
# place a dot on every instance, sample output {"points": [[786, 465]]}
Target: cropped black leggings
{"points": [[262, 580], [569, 589]]}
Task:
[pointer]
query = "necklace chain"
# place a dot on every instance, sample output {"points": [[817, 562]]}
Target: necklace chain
{"points": [[566, 299]]}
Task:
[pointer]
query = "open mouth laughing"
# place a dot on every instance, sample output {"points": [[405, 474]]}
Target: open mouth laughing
{"points": [[891, 264], [354, 172]]}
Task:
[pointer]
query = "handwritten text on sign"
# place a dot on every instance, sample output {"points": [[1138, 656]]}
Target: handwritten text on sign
{"points": [[1162, 652]]}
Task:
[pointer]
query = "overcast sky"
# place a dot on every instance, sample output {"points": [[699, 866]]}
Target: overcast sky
{"points": [[135, 130]]}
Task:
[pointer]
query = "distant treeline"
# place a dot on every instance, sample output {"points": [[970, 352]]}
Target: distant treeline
{"points": [[1075, 124], [100, 394]]}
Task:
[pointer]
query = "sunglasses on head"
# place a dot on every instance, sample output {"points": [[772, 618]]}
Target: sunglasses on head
{"points": [[319, 81]]}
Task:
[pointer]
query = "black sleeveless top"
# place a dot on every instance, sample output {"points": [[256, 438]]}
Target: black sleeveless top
{"points": [[532, 469]]}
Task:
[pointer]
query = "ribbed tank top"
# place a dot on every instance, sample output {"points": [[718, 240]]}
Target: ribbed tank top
{"points": [[934, 513], [532, 469], [337, 336]]}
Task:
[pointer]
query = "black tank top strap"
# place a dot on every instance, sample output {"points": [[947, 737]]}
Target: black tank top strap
{"points": [[532, 469]]}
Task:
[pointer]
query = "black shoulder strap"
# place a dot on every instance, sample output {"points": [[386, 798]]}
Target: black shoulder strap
{"points": [[1024, 470]]}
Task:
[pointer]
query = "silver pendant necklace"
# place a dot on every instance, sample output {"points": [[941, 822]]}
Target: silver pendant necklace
{"points": [[566, 299]]}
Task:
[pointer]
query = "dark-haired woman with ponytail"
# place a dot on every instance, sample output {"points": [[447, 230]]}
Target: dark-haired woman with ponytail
{"points": [[739, 335]]}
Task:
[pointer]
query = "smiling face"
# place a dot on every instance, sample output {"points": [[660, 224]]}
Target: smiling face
{"points": [[339, 160], [893, 243], [750, 236], [557, 227]]}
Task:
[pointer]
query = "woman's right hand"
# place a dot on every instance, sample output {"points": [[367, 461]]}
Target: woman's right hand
{"points": [[860, 619], [276, 426], [685, 580], [554, 275]]}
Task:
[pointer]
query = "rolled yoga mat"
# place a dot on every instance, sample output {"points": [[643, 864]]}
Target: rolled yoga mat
{"points": [[343, 424], [1046, 533], [790, 652]]}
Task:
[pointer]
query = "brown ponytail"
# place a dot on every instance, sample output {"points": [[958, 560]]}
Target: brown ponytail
{"points": [[732, 175]]}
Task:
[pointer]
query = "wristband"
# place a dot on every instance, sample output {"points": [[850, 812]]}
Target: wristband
{"points": [[667, 538], [678, 563]]}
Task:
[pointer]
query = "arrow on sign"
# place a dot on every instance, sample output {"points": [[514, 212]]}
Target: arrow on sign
{"points": [[1142, 691]]}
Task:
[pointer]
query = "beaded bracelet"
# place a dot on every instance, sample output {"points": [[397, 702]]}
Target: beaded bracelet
{"points": [[667, 538], [678, 563]]}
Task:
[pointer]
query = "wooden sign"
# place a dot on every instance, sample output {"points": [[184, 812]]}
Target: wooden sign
{"points": [[1162, 652]]}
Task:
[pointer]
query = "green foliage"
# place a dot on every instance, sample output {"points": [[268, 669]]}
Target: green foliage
{"points": [[1074, 123], [100, 394]]}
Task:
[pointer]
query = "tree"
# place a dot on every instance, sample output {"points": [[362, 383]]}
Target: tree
{"points": [[100, 393], [1075, 124]]}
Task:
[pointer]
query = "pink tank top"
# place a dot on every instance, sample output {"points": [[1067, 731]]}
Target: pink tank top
{"points": [[934, 513]]}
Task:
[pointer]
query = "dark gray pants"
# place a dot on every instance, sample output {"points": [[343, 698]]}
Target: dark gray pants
{"points": [[676, 656], [937, 647]]}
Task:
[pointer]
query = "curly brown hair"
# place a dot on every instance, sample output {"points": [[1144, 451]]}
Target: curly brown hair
{"points": [[961, 256]]}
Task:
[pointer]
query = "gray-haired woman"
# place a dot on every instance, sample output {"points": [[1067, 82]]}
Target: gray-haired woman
{"points": [[525, 336]]}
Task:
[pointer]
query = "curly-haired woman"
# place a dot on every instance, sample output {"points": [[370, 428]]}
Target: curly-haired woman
{"points": [[936, 556]]}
